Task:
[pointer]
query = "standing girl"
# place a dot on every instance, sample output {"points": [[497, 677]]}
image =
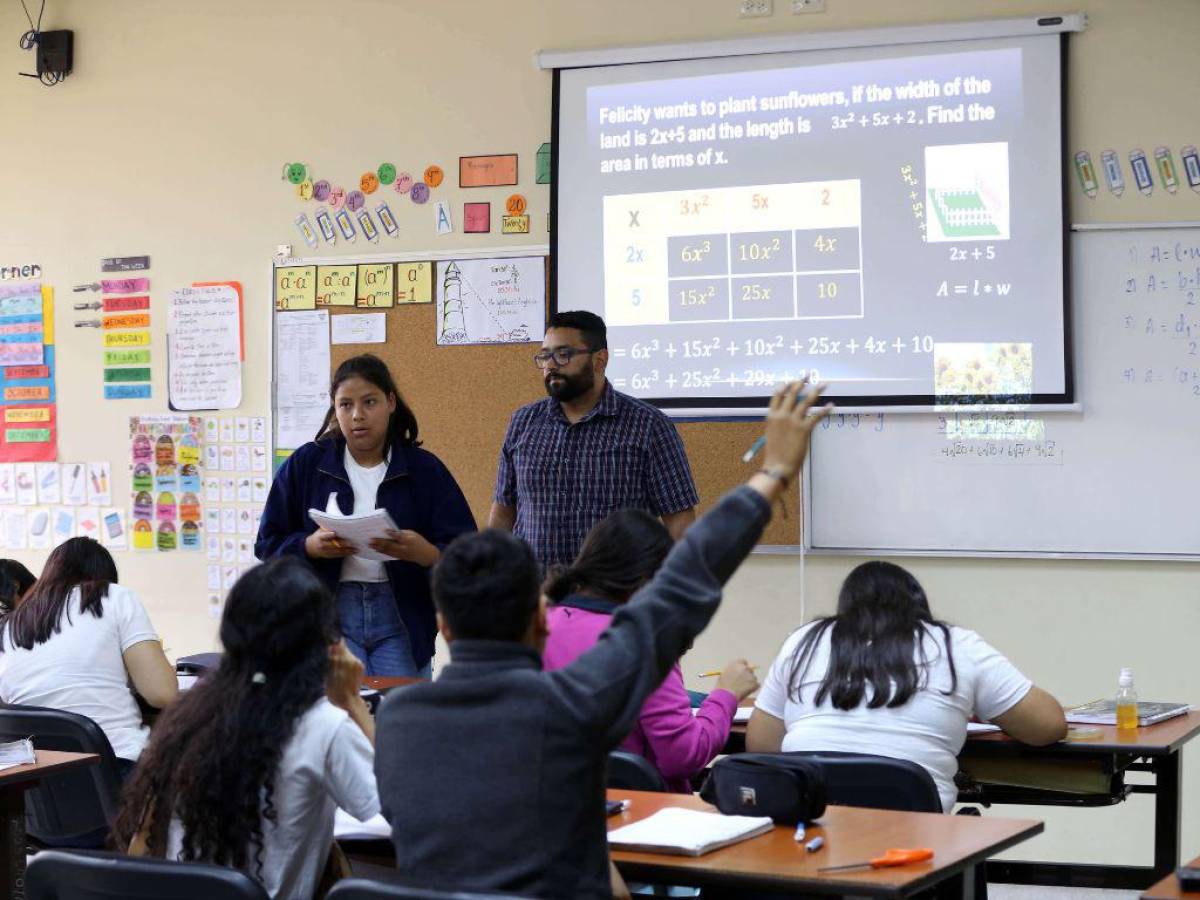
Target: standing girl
{"points": [[366, 456]]}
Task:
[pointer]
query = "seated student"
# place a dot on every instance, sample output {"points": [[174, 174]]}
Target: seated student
{"points": [[619, 555], [247, 768], [76, 642], [883, 676], [492, 777], [15, 582]]}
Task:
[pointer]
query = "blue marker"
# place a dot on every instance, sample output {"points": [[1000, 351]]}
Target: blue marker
{"points": [[815, 844], [799, 835], [750, 454]]}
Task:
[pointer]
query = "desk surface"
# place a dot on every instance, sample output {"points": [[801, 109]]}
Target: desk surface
{"points": [[1168, 888], [386, 682], [1153, 740], [48, 761], [775, 860]]}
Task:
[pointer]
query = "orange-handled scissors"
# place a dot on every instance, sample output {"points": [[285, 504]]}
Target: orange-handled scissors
{"points": [[890, 858]]}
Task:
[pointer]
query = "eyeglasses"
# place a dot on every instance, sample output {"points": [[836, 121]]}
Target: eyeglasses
{"points": [[562, 356]]}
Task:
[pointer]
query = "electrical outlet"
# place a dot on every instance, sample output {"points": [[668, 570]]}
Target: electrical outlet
{"points": [[807, 6], [752, 9]]}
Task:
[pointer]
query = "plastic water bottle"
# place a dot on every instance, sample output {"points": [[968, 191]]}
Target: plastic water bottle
{"points": [[1127, 715]]}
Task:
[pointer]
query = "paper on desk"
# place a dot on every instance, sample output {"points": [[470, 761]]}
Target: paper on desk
{"points": [[358, 531], [348, 828]]}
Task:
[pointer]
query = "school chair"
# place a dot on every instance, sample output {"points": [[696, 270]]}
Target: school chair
{"points": [[363, 889], [92, 875], [632, 772], [74, 808], [876, 782]]}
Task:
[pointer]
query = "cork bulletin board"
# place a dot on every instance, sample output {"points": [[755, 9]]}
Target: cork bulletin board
{"points": [[463, 397]]}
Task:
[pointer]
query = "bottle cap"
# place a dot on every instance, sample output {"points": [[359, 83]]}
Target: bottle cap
{"points": [[1126, 677]]}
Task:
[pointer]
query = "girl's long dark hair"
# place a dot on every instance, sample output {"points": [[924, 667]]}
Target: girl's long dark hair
{"points": [[875, 637], [213, 755], [620, 554], [402, 427], [76, 563]]}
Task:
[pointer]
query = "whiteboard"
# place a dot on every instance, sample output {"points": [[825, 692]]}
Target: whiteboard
{"points": [[1121, 477]]}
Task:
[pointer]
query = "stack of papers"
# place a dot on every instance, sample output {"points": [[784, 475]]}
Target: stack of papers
{"points": [[358, 531], [17, 753], [687, 832], [348, 828]]}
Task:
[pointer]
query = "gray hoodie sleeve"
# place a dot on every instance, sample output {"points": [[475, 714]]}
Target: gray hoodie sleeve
{"points": [[604, 688]]}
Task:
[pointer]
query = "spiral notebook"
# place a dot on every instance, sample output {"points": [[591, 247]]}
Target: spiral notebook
{"points": [[687, 832]]}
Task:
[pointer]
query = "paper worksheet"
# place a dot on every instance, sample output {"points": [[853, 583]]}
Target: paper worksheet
{"points": [[358, 531], [301, 375]]}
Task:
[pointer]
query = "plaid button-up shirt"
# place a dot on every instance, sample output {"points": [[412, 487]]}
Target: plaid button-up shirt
{"points": [[564, 478]]}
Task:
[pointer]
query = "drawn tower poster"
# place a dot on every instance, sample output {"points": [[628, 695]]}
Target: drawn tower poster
{"points": [[453, 320]]}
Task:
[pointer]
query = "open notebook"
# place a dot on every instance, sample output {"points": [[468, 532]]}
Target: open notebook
{"points": [[687, 832]]}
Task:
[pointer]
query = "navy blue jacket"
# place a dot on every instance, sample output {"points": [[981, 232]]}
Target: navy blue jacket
{"points": [[419, 494]]}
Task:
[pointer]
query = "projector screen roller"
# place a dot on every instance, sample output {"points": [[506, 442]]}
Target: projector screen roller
{"points": [[887, 219]]}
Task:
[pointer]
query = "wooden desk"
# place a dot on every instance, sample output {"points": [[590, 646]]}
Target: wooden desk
{"points": [[13, 784], [1154, 749], [384, 683], [1168, 888], [775, 863]]}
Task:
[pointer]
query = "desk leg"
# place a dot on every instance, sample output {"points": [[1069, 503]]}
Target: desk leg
{"points": [[1166, 813], [12, 844]]}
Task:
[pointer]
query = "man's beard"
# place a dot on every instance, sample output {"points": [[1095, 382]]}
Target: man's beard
{"points": [[571, 387]]}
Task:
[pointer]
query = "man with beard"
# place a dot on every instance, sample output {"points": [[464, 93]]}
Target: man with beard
{"points": [[585, 451]]}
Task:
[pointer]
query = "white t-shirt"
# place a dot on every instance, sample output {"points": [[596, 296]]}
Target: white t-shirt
{"points": [[365, 483], [929, 729], [327, 763], [81, 670]]}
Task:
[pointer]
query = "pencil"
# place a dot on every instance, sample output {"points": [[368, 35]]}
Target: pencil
{"points": [[713, 673]]}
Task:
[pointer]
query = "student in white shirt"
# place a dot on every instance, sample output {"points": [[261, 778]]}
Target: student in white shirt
{"points": [[248, 767], [78, 640], [884, 677]]}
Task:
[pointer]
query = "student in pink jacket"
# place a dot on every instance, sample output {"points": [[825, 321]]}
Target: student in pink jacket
{"points": [[619, 555]]}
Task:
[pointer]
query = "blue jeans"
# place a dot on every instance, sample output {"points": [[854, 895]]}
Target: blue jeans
{"points": [[374, 631]]}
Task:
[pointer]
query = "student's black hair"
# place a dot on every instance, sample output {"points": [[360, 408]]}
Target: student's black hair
{"points": [[620, 554], [402, 427], [486, 586], [15, 582], [214, 753], [590, 326], [882, 615], [76, 563]]}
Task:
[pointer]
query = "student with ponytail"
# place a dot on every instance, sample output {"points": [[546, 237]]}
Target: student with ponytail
{"points": [[247, 768], [366, 456], [619, 555]]}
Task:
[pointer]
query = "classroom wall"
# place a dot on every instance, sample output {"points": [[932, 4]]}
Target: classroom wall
{"points": [[169, 140]]}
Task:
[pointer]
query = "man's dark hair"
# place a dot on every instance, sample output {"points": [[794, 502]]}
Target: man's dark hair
{"points": [[590, 325], [486, 586]]}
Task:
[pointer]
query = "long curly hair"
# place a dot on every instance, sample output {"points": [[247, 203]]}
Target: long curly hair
{"points": [[213, 755]]}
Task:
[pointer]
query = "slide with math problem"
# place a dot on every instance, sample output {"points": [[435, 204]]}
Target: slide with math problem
{"points": [[887, 219]]}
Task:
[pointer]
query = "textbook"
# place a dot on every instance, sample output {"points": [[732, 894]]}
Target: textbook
{"points": [[1104, 712], [358, 531], [687, 832]]}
